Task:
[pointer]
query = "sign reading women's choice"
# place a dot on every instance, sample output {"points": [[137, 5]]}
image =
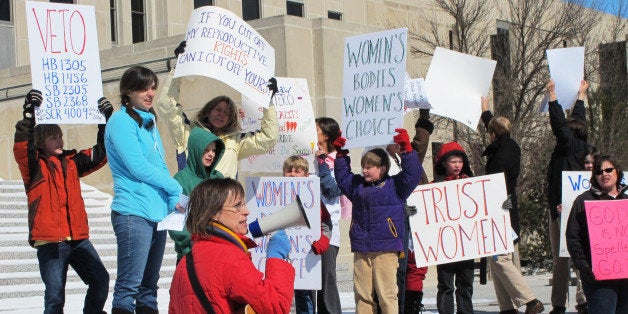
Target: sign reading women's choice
{"points": [[608, 235], [460, 220], [267, 196], [574, 183], [455, 84], [373, 87], [65, 63], [222, 46]]}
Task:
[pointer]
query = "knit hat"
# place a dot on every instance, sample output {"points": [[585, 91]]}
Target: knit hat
{"points": [[452, 149]]}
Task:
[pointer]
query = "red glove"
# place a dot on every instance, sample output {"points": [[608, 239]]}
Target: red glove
{"points": [[403, 140], [338, 144], [319, 247]]}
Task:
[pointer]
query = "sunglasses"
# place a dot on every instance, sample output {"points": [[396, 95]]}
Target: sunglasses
{"points": [[607, 170]]}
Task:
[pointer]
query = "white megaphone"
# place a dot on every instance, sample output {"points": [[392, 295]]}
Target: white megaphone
{"points": [[292, 215]]}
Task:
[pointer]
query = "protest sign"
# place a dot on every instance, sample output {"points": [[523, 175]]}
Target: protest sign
{"points": [[567, 71], [574, 183], [455, 84], [65, 63], [267, 195], [607, 223], [373, 87], [460, 220], [222, 46], [297, 128], [415, 93]]}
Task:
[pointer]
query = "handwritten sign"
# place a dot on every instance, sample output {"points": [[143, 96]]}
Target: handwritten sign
{"points": [[460, 220], [267, 195], [65, 63], [297, 128], [567, 70], [455, 84], [222, 46], [573, 184], [415, 93], [373, 87], [608, 235]]}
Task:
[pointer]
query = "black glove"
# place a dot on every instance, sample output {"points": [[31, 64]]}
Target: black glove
{"points": [[424, 113], [179, 50], [507, 204], [33, 99], [272, 86], [410, 210], [105, 107]]}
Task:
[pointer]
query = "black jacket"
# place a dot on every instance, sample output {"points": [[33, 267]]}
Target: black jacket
{"points": [[569, 153], [504, 155], [577, 233]]}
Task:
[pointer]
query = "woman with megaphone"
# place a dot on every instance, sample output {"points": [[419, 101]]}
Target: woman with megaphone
{"points": [[217, 275]]}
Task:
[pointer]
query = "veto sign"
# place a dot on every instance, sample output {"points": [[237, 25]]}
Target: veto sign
{"points": [[460, 220], [65, 64], [608, 235], [267, 195]]}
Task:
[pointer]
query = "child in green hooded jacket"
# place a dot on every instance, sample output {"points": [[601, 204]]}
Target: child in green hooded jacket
{"points": [[204, 152]]}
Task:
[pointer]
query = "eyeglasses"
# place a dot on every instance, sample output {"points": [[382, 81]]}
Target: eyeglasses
{"points": [[607, 170], [238, 207]]}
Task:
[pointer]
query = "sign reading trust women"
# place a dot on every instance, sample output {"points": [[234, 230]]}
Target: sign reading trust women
{"points": [[268, 196], [373, 89], [65, 63], [460, 220], [297, 129], [222, 46]]}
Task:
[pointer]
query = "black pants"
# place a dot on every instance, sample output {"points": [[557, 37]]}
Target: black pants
{"points": [[458, 273]]}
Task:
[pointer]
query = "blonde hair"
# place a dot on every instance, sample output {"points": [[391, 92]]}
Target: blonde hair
{"points": [[499, 126], [296, 162]]}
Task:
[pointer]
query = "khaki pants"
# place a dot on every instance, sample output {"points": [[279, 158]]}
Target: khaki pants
{"points": [[375, 272], [511, 289]]}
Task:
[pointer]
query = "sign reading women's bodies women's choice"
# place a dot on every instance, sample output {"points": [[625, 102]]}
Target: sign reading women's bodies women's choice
{"points": [[460, 220], [65, 63], [266, 196], [574, 183], [608, 236], [373, 87], [297, 128], [222, 46]]}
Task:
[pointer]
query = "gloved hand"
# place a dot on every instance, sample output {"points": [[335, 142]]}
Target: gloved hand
{"points": [[33, 99], [180, 49], [105, 107], [272, 86], [319, 247], [410, 210], [278, 245], [338, 144], [403, 139], [424, 114], [507, 204]]}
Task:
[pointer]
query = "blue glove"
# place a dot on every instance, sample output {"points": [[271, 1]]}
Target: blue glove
{"points": [[278, 246]]}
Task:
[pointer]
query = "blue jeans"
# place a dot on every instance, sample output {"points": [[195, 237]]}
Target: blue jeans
{"points": [[140, 252], [54, 259], [304, 301], [608, 296]]}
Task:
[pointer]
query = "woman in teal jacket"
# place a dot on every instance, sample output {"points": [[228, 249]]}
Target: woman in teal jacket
{"points": [[204, 152]]}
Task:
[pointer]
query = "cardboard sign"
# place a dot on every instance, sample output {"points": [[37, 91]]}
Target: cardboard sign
{"points": [[222, 46], [460, 220], [373, 87], [567, 71], [415, 93], [65, 63], [266, 196], [455, 84], [297, 128], [608, 235], [574, 183]]}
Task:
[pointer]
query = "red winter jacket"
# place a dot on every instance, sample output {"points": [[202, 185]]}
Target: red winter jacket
{"points": [[56, 211], [230, 280]]}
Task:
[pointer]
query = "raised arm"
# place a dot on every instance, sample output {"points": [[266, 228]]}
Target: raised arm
{"points": [[487, 115], [578, 111], [24, 149], [92, 159]]}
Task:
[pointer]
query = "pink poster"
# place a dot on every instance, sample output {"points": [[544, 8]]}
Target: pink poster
{"points": [[608, 235]]}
